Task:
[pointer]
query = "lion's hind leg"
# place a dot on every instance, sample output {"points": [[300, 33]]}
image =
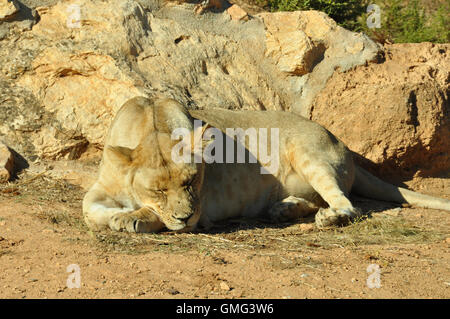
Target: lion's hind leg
{"points": [[341, 211], [333, 186]]}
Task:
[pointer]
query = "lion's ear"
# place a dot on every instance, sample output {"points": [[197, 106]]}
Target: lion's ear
{"points": [[118, 154]]}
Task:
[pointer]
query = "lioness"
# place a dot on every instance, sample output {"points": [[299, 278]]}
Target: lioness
{"points": [[141, 188]]}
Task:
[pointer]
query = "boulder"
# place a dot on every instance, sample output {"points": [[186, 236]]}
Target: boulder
{"points": [[8, 8], [6, 163], [395, 114], [64, 74], [83, 91], [237, 13], [312, 46]]}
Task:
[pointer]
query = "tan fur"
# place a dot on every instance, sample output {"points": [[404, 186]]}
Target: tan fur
{"points": [[141, 189]]}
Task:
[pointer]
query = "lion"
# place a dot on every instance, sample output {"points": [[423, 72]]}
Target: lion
{"points": [[142, 187]]}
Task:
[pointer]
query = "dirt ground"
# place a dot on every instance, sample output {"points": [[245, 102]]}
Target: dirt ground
{"points": [[42, 233]]}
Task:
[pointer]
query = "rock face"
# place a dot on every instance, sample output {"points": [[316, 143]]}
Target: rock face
{"points": [[310, 44], [75, 65], [66, 68], [6, 163], [65, 81], [396, 114]]}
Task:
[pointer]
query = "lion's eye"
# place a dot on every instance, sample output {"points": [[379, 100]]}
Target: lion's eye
{"points": [[158, 191]]}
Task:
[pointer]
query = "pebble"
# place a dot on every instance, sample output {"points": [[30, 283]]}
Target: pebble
{"points": [[172, 291], [224, 286], [306, 227], [421, 59]]}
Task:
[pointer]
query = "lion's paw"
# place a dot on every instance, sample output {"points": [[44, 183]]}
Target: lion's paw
{"points": [[335, 217], [123, 222], [134, 222], [290, 209], [283, 212]]}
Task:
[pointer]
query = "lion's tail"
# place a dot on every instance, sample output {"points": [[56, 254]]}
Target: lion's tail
{"points": [[370, 186]]}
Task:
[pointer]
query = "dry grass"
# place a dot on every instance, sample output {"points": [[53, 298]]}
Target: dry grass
{"points": [[263, 239], [58, 202], [54, 201]]}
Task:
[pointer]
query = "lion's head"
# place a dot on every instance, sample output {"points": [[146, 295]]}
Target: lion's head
{"points": [[154, 179]]}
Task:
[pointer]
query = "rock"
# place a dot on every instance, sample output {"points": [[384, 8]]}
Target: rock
{"points": [[6, 163], [8, 8], [293, 52], [237, 13], [311, 44], [306, 227], [61, 86], [395, 114], [58, 79], [224, 286], [289, 40], [66, 94], [173, 291]]}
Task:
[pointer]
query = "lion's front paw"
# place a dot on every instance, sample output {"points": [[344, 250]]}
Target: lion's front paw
{"points": [[145, 226], [335, 217], [123, 222], [140, 221]]}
